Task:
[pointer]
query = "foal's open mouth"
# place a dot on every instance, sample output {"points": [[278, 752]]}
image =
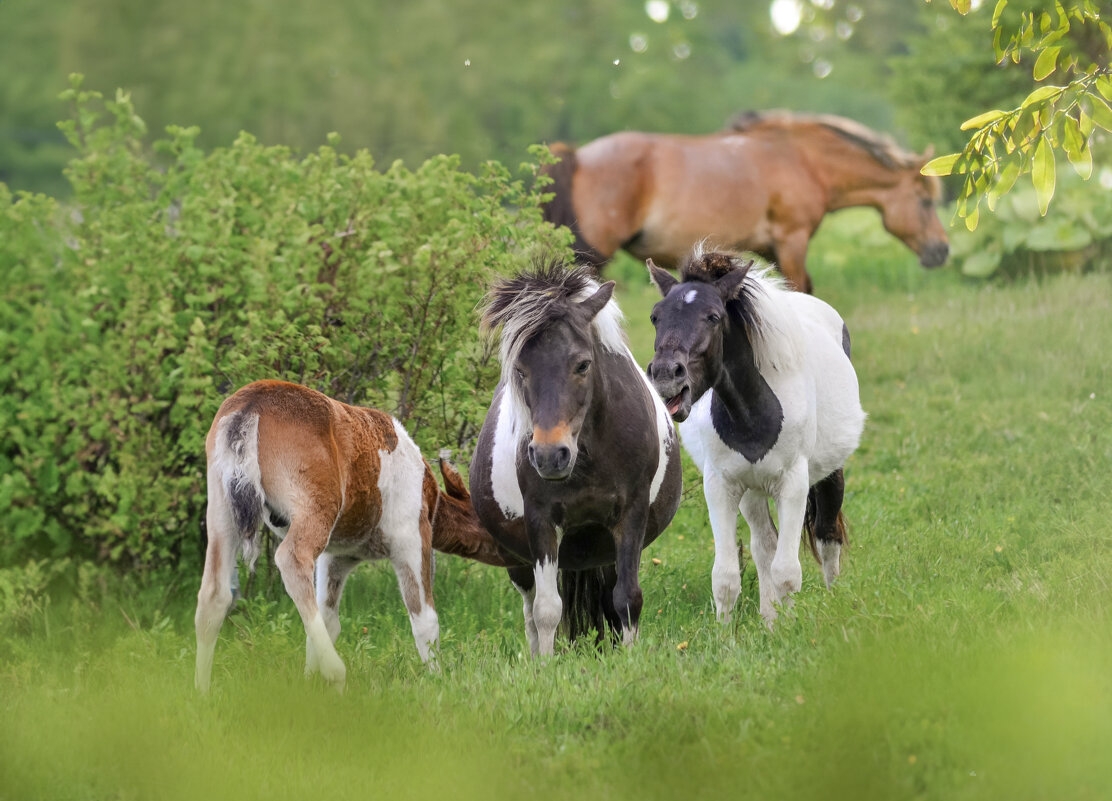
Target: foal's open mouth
{"points": [[678, 402]]}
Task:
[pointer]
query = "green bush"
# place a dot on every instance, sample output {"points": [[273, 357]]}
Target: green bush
{"points": [[1075, 234], [173, 280]]}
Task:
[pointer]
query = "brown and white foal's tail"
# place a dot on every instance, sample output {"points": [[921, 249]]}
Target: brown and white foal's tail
{"points": [[235, 459]]}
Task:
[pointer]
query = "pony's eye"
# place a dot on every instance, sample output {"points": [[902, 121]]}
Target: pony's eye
{"points": [[652, 319], [583, 367], [713, 319], [520, 373]]}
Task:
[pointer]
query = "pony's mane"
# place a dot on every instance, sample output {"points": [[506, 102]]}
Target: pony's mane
{"points": [[878, 145], [761, 305], [523, 305]]}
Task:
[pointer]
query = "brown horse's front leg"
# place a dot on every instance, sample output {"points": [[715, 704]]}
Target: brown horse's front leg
{"points": [[791, 254]]}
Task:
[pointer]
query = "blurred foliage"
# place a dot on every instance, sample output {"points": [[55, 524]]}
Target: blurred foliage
{"points": [[409, 80], [1076, 233], [127, 317], [1067, 40]]}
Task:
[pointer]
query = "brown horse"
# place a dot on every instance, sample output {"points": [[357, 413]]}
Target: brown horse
{"points": [[764, 186]]}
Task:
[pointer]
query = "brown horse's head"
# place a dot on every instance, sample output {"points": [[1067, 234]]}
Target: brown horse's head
{"points": [[910, 213]]}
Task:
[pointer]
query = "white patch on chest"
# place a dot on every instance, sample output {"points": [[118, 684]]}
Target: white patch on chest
{"points": [[503, 467], [690, 296], [665, 433]]}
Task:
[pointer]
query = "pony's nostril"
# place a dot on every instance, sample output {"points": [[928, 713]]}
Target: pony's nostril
{"points": [[563, 456], [678, 371]]}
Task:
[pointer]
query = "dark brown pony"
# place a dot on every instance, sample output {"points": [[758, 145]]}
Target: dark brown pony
{"points": [[764, 186]]}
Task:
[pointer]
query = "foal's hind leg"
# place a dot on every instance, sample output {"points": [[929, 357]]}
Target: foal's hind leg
{"points": [[722, 503], [830, 527], [332, 573], [762, 544], [411, 555], [215, 596], [295, 557]]}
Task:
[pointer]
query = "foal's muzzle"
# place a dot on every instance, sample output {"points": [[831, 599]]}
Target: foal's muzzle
{"points": [[670, 379]]}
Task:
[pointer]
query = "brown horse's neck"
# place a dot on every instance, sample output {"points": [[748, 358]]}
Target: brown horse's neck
{"points": [[848, 174], [456, 528]]}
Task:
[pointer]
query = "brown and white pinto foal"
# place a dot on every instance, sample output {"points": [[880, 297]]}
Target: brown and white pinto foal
{"points": [[339, 485]]}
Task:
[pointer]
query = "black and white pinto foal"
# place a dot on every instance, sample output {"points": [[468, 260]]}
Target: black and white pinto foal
{"points": [[760, 380], [577, 466]]}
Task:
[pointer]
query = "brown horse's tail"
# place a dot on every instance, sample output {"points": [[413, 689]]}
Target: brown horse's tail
{"points": [[560, 211]]}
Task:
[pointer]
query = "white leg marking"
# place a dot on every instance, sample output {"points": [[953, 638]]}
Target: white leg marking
{"points": [[762, 544], [328, 661], [400, 483], [527, 610], [547, 606], [722, 503], [791, 504], [215, 595], [830, 553]]}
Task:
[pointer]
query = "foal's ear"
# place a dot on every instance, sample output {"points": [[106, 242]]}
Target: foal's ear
{"points": [[593, 305], [729, 286], [661, 278], [453, 482]]}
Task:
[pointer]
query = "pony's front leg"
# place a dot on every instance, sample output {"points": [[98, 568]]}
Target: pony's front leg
{"points": [[725, 578], [791, 507], [762, 544], [627, 596], [524, 583], [547, 606]]}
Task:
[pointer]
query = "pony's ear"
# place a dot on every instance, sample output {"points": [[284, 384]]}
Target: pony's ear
{"points": [[453, 482], [661, 278], [729, 286], [593, 305]]}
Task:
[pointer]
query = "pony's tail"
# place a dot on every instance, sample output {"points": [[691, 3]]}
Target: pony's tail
{"points": [[831, 531], [236, 459], [587, 597], [559, 211]]}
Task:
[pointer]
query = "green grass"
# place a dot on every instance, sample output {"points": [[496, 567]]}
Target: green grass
{"points": [[964, 654]]}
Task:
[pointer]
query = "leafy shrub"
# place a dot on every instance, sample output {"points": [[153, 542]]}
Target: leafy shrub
{"points": [[126, 319], [1076, 233]]}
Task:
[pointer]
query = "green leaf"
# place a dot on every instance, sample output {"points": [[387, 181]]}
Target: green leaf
{"points": [[1040, 94], [972, 218], [941, 165], [1046, 62], [1077, 151], [1104, 86], [996, 12], [1004, 182], [1102, 115], [961, 6], [981, 120], [1042, 174]]}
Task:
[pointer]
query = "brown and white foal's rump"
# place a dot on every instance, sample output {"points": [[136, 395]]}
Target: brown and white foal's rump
{"points": [[338, 485]]}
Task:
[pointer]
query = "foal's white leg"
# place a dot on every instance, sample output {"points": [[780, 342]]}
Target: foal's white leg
{"points": [[332, 572], [547, 606], [791, 506], [527, 596], [423, 620], [295, 558], [215, 595], [762, 544], [725, 578]]}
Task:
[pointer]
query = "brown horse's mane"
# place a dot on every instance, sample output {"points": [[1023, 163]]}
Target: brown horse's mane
{"points": [[877, 145]]}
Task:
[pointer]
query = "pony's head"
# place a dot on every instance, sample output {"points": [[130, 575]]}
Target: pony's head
{"points": [[690, 323], [548, 350], [909, 211]]}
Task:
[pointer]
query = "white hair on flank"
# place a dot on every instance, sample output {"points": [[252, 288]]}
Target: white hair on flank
{"points": [[523, 306]]}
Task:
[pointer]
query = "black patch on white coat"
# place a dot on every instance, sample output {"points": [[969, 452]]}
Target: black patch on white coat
{"points": [[744, 410], [845, 339]]}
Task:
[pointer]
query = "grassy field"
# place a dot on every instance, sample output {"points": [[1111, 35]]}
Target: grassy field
{"points": [[965, 652]]}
